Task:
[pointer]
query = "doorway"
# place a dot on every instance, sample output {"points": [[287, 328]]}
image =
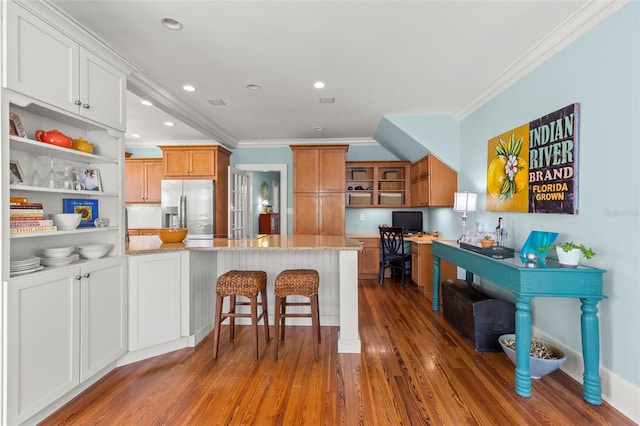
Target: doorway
{"points": [[280, 186]]}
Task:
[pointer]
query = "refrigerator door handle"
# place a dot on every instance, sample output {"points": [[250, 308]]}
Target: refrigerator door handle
{"points": [[182, 212]]}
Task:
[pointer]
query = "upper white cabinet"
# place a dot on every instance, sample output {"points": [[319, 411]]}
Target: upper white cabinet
{"points": [[45, 64]]}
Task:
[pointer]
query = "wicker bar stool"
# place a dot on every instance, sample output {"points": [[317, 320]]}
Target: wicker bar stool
{"points": [[299, 282], [241, 283]]}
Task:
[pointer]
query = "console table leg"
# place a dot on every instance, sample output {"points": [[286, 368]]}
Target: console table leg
{"points": [[591, 351], [435, 302], [523, 345]]}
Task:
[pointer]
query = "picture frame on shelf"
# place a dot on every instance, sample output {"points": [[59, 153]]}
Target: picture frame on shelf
{"points": [[91, 180], [87, 208], [15, 125], [16, 177]]}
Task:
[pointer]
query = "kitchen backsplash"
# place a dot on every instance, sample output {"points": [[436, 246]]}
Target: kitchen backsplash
{"points": [[144, 215]]}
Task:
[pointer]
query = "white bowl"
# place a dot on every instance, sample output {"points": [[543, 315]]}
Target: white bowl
{"points": [[94, 251], [66, 220], [538, 367], [57, 252]]}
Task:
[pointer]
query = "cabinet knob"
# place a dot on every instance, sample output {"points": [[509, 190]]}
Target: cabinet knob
{"points": [[78, 277], [77, 102], [85, 106], [87, 275]]}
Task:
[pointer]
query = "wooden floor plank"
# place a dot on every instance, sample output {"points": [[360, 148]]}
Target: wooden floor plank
{"points": [[414, 369]]}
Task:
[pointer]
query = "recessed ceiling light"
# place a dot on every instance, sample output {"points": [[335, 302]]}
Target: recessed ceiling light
{"points": [[188, 88], [146, 103], [169, 124], [318, 85], [253, 87], [318, 129], [136, 136], [171, 24]]}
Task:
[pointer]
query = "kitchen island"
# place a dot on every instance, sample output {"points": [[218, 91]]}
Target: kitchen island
{"points": [[204, 258]]}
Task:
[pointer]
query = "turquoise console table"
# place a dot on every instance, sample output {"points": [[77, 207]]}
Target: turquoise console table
{"points": [[527, 281]]}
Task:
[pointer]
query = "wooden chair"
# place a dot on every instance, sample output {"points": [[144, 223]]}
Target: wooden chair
{"points": [[392, 253], [241, 283], [298, 282]]}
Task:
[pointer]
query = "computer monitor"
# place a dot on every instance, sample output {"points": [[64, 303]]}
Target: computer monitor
{"points": [[410, 222]]}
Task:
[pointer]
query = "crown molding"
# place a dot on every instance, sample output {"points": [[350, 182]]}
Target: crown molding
{"points": [[584, 19], [279, 143], [140, 84], [135, 143]]}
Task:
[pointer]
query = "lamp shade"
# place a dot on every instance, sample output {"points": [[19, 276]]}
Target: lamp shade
{"points": [[464, 201]]}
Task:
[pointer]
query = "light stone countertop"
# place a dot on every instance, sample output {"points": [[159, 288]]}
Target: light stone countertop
{"points": [[152, 243]]}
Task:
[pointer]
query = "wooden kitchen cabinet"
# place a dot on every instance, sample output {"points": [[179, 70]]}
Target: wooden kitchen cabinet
{"points": [[319, 214], [433, 183], [422, 267], [369, 258], [143, 177], [378, 184], [319, 189], [190, 162]]}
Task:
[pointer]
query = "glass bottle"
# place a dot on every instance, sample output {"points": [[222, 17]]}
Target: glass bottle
{"points": [[501, 234]]}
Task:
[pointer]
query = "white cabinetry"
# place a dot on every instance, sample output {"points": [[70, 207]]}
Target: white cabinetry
{"points": [[103, 314], [61, 328], [155, 283], [45, 64]]}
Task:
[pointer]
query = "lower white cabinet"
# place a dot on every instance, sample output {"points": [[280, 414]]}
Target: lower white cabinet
{"points": [[154, 299], [103, 314], [61, 327]]}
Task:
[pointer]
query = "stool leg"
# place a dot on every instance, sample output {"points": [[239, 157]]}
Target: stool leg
{"points": [[265, 314], [216, 332], [254, 323], [315, 324], [276, 330], [318, 315], [232, 320], [283, 311]]}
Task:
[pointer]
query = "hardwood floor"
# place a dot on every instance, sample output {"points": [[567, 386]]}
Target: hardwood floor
{"points": [[414, 369]]}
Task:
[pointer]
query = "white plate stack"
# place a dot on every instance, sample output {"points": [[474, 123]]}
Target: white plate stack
{"points": [[59, 256], [24, 265]]}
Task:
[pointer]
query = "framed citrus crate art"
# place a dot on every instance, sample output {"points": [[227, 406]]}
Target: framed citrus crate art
{"points": [[533, 168]]}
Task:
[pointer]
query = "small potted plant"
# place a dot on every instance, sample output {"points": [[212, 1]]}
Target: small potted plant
{"points": [[487, 241], [569, 253]]}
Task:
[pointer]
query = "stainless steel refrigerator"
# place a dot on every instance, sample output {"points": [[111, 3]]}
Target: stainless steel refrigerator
{"points": [[189, 204]]}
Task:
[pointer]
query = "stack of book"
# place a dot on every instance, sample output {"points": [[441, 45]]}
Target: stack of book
{"points": [[28, 217]]}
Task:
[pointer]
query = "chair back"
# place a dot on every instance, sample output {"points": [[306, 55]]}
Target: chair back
{"points": [[391, 241]]}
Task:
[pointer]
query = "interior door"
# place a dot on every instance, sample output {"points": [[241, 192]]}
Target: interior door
{"points": [[239, 205]]}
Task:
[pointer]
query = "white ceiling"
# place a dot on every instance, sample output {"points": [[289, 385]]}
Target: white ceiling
{"points": [[377, 58]]}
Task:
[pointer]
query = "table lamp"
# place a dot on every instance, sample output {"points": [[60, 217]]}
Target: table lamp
{"points": [[464, 202]]}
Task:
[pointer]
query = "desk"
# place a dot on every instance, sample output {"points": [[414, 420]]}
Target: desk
{"points": [[546, 280]]}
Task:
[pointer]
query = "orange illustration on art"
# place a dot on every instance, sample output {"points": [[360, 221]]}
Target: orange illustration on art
{"points": [[508, 172]]}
